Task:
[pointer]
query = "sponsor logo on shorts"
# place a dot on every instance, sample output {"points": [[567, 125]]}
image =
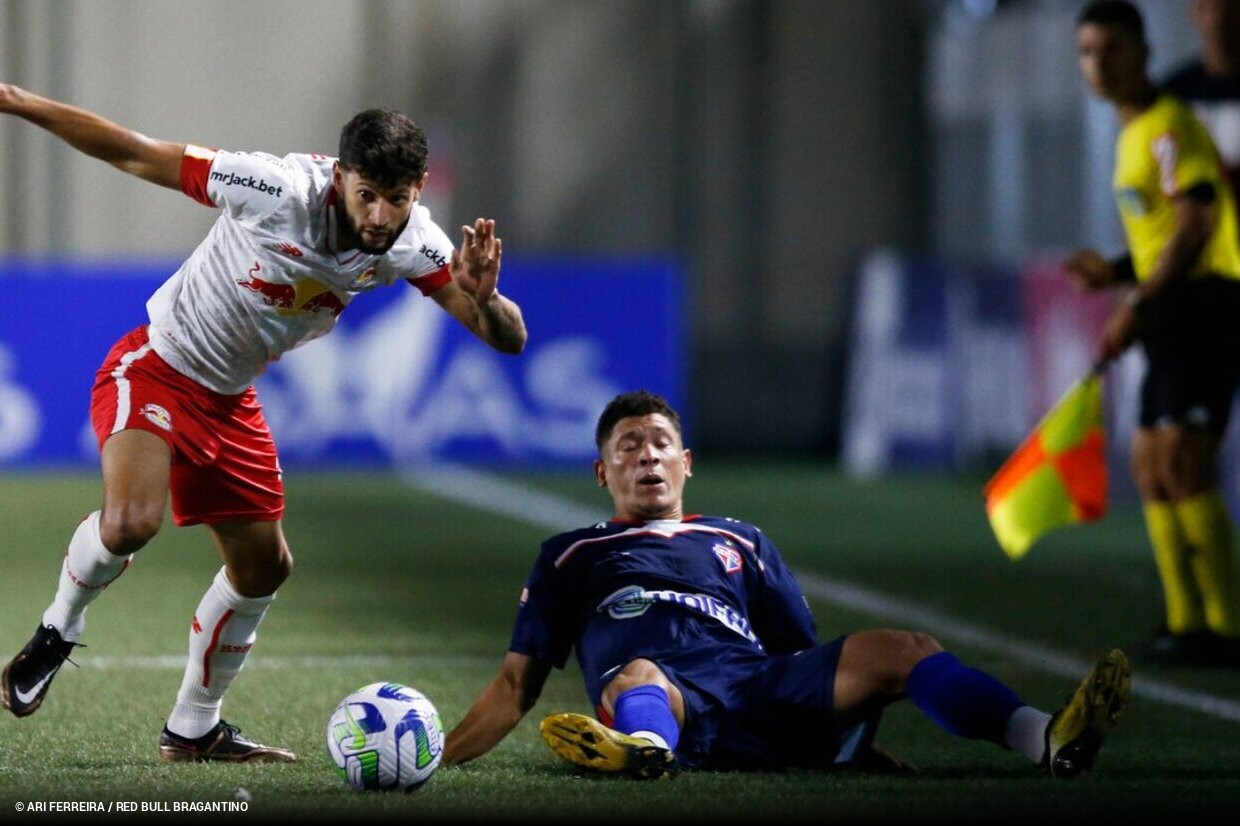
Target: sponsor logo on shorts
{"points": [[157, 416], [729, 557], [195, 625]]}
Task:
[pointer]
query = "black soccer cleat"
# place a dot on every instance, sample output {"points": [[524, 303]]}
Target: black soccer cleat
{"points": [[224, 743], [28, 676]]}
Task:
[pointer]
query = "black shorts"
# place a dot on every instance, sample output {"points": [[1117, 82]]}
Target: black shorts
{"points": [[1193, 356]]}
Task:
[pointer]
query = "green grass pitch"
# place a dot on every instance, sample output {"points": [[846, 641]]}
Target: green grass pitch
{"points": [[393, 583]]}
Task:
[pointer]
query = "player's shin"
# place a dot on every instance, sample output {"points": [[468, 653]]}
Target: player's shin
{"points": [[962, 700], [645, 712], [1207, 525], [88, 568], [1171, 552], [221, 634]]}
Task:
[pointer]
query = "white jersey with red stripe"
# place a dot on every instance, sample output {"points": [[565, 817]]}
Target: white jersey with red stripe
{"points": [[269, 276]]}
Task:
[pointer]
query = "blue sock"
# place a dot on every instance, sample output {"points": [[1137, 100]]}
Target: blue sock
{"points": [[646, 708], [964, 701]]}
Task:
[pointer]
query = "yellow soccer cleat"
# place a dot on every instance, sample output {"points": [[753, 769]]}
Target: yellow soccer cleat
{"points": [[1076, 732], [584, 741]]}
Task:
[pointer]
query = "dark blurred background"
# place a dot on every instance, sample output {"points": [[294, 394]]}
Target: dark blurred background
{"points": [[861, 197]]}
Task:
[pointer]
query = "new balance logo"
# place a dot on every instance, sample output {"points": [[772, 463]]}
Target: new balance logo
{"points": [[195, 626], [289, 249]]}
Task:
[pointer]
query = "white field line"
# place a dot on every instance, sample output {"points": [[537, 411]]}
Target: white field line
{"points": [[555, 513], [176, 662]]}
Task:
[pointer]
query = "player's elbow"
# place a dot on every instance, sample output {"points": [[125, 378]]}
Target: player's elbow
{"points": [[510, 342]]}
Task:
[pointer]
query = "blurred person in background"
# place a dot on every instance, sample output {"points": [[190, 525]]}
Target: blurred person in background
{"points": [[699, 651], [1181, 300], [173, 405], [1210, 83]]}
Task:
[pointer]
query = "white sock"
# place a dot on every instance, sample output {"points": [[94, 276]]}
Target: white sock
{"points": [[1026, 732], [88, 568], [220, 636], [655, 739]]}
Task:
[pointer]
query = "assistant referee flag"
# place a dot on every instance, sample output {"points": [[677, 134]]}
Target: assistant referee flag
{"points": [[1057, 477]]}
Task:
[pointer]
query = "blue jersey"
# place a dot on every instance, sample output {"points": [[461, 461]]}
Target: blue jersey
{"points": [[703, 592]]}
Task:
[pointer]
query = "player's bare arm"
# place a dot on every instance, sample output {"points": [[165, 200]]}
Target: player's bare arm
{"points": [[1194, 223], [152, 160], [473, 297], [498, 709]]}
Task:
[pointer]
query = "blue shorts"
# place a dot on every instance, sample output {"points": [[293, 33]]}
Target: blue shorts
{"points": [[776, 712]]}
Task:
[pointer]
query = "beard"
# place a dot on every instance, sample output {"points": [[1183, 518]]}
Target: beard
{"points": [[356, 232]]}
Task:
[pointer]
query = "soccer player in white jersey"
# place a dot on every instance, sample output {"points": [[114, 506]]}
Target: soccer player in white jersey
{"points": [[173, 405]]}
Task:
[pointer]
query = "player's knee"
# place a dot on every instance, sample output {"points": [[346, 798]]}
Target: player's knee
{"points": [[1145, 478], [283, 567], [635, 673], [126, 528], [906, 650], [911, 648], [922, 645], [268, 573]]}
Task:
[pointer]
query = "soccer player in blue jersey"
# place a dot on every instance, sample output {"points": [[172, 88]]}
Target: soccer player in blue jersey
{"points": [[699, 650]]}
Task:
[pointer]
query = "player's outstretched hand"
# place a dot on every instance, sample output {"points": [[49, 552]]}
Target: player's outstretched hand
{"points": [[1089, 271], [475, 266]]}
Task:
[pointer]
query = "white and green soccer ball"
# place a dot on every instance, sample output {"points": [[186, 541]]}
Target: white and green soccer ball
{"points": [[385, 736]]}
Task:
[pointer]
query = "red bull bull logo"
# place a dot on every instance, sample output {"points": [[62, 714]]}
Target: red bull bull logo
{"points": [[307, 296]]}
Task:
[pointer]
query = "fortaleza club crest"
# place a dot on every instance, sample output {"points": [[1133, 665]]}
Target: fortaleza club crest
{"points": [[728, 556], [157, 416]]}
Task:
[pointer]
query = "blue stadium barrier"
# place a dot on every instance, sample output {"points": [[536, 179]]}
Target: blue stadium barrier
{"points": [[397, 382]]}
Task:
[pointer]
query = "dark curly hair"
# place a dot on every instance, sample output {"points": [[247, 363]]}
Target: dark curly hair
{"points": [[385, 146]]}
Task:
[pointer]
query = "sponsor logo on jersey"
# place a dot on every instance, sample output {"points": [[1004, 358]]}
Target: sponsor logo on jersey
{"points": [[249, 182], [306, 296], [195, 625], [434, 255], [729, 557], [157, 416], [1166, 150], [634, 600], [364, 281]]}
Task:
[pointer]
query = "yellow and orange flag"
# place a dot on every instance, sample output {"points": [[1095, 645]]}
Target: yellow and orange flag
{"points": [[1057, 477]]}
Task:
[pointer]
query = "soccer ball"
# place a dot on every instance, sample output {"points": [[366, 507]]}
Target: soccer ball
{"points": [[385, 736]]}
